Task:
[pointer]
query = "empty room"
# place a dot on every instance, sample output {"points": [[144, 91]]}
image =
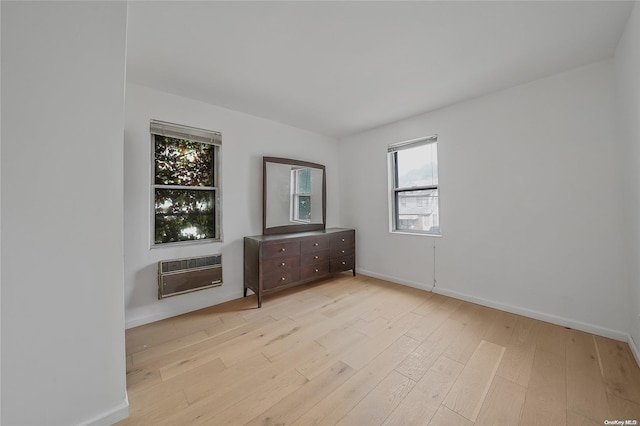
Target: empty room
{"points": [[320, 212]]}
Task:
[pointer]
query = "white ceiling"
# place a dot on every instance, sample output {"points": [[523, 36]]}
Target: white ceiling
{"points": [[337, 68]]}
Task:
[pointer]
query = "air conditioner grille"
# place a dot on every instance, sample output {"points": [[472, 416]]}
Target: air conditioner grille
{"points": [[191, 263], [179, 276]]}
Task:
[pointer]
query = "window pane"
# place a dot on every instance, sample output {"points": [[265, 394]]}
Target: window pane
{"points": [[417, 211], [183, 215], [303, 208], [418, 166], [303, 181], [182, 162]]}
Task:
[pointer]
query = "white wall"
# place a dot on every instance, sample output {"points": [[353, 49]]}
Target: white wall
{"points": [[531, 206], [245, 140], [63, 357], [627, 65]]}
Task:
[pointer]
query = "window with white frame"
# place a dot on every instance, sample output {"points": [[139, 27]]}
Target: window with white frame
{"points": [[185, 184], [301, 194], [413, 182]]}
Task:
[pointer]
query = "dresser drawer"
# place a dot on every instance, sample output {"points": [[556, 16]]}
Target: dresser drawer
{"points": [[314, 271], [343, 264], [344, 240], [314, 257], [342, 251], [275, 280], [280, 264], [281, 249], [315, 244]]}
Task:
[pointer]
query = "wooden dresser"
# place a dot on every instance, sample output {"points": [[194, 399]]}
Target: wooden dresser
{"points": [[275, 262]]}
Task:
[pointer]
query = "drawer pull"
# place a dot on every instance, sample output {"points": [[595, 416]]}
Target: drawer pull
{"points": [[317, 270], [282, 264], [282, 279], [342, 251], [316, 257], [315, 244], [283, 249], [343, 240], [343, 262]]}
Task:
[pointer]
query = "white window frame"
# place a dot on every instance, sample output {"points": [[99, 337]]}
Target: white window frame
{"points": [[394, 190], [295, 196], [193, 134]]}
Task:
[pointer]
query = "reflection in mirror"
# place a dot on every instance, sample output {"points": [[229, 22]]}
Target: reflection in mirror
{"points": [[294, 196]]}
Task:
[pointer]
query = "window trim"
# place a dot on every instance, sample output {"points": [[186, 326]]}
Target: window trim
{"points": [[394, 190], [295, 197], [194, 134]]}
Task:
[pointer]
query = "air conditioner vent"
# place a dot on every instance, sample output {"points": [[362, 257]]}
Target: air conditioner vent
{"points": [[191, 263], [179, 276]]}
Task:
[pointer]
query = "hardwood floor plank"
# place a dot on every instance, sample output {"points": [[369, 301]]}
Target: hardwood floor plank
{"points": [[236, 402], [370, 328], [162, 349], [552, 338], [148, 335], [227, 324], [292, 407], [467, 340], [619, 370], [206, 347], [518, 357], [314, 365], [430, 303], [427, 395], [226, 380], [503, 405], [546, 396], [371, 347], [446, 417], [586, 395], [433, 319], [253, 336], [420, 361], [623, 409], [501, 328], [374, 408], [578, 419], [149, 399], [338, 403], [141, 377], [470, 389], [196, 321]]}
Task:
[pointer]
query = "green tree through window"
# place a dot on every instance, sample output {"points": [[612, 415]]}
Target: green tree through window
{"points": [[185, 190]]}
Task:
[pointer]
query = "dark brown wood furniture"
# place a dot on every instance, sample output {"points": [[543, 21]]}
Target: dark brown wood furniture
{"points": [[276, 262]]}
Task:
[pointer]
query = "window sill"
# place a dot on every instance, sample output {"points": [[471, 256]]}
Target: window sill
{"points": [[422, 234], [186, 243]]}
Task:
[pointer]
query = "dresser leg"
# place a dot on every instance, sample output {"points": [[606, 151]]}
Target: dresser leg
{"points": [[245, 292], [354, 272], [259, 301]]}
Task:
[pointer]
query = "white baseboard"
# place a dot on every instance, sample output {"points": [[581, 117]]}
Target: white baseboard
{"points": [[634, 349], [168, 313], [542, 316], [114, 415], [414, 284]]}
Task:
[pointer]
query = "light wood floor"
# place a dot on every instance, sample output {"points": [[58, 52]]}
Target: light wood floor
{"points": [[361, 351]]}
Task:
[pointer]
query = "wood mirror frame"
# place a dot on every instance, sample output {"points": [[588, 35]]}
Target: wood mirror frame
{"points": [[268, 180]]}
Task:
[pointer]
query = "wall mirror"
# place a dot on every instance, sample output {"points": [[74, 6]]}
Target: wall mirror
{"points": [[293, 196]]}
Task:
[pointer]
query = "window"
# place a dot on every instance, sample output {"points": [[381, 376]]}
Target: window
{"points": [[301, 195], [185, 184], [413, 182]]}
